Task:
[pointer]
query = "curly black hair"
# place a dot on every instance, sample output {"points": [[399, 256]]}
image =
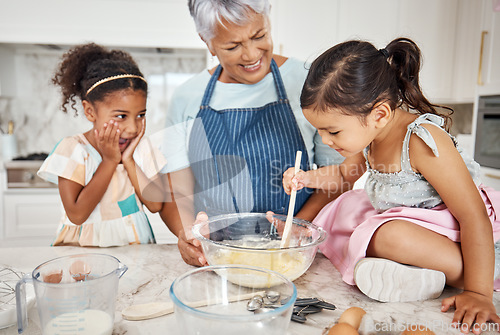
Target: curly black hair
{"points": [[84, 65]]}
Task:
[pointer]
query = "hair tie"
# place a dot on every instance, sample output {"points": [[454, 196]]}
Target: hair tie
{"points": [[384, 52]]}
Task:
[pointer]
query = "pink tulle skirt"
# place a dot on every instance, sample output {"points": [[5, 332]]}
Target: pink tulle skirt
{"points": [[351, 221]]}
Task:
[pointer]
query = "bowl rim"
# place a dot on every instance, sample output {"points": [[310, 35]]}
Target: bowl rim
{"points": [[197, 227], [238, 318], [35, 275]]}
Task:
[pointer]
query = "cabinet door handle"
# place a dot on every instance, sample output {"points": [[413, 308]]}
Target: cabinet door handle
{"points": [[481, 51]]}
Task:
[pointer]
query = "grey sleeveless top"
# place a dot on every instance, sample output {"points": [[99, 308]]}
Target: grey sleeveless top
{"points": [[406, 187]]}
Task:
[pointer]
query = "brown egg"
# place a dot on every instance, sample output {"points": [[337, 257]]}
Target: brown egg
{"points": [[343, 329], [53, 277], [79, 270], [352, 316], [417, 330]]}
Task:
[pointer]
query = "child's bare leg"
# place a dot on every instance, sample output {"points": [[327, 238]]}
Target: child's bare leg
{"points": [[407, 243]]}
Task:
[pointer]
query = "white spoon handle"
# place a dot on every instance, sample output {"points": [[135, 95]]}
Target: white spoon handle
{"points": [[285, 239]]}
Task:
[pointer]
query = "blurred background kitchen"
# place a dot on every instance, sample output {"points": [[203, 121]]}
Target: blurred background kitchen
{"points": [[460, 41]]}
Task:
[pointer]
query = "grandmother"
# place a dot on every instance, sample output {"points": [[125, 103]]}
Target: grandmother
{"points": [[234, 129]]}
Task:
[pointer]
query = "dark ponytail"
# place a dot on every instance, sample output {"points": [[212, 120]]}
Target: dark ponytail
{"points": [[404, 57], [84, 65], [353, 77]]}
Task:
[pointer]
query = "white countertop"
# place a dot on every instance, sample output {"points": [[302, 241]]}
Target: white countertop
{"points": [[152, 269]]}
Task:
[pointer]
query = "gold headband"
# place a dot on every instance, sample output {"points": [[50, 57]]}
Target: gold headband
{"points": [[105, 80]]}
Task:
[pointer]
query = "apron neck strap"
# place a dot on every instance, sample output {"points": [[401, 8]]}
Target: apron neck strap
{"points": [[211, 86], [278, 82]]}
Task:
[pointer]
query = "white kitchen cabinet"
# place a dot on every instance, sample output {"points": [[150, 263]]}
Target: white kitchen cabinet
{"points": [[7, 73], [431, 24], [162, 234], [367, 20], [490, 177], [463, 85], [488, 76], [304, 29], [144, 23], [31, 216], [444, 30], [488, 72], [3, 182], [448, 31]]}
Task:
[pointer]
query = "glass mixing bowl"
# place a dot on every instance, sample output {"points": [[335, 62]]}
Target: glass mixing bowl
{"points": [[216, 300], [254, 239]]}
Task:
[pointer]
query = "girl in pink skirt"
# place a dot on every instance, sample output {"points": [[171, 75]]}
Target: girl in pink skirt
{"points": [[423, 219]]}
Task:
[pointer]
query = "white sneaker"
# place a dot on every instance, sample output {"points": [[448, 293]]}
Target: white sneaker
{"points": [[388, 281]]}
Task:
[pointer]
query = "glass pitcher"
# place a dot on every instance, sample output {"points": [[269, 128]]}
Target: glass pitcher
{"points": [[75, 294]]}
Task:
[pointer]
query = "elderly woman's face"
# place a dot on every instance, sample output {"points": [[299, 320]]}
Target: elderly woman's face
{"points": [[245, 52]]}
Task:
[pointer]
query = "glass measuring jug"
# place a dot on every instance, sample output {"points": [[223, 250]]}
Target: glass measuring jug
{"points": [[74, 294]]}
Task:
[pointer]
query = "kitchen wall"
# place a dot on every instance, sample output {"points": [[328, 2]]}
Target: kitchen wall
{"points": [[462, 118], [34, 104]]}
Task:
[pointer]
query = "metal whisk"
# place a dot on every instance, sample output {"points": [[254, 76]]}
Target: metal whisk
{"points": [[8, 280]]}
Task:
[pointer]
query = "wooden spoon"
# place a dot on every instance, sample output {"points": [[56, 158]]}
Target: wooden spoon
{"points": [[147, 311], [285, 239], [156, 309]]}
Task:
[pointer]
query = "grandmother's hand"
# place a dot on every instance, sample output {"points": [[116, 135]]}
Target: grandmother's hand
{"points": [[189, 247]]}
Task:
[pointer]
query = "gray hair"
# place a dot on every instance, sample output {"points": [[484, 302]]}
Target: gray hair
{"points": [[207, 13]]}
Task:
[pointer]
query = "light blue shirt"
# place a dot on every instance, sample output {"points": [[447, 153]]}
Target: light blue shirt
{"points": [[187, 98]]}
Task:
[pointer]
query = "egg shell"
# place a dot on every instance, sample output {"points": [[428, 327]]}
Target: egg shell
{"points": [[417, 330], [352, 316], [79, 270], [53, 277], [343, 329]]}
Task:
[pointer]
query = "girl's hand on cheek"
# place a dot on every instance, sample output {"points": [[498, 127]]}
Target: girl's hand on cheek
{"points": [[107, 142], [129, 151]]}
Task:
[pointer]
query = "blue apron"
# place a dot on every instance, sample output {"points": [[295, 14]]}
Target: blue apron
{"points": [[238, 155]]}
